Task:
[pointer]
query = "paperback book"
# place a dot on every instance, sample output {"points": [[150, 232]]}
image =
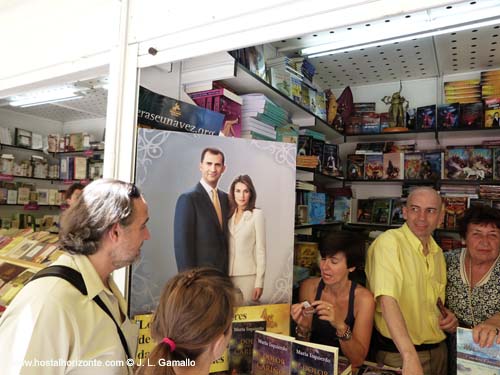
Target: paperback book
{"points": [[278, 354], [472, 359], [426, 117]]}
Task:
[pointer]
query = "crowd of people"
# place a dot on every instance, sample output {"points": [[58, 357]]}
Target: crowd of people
{"points": [[414, 300]]}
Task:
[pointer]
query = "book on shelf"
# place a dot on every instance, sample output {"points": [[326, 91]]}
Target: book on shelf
{"points": [[23, 195], [223, 101], [473, 359], [370, 148], [330, 160], [412, 165], [381, 211], [279, 354], [306, 255], [5, 136], [496, 163], [456, 159], [471, 115], [432, 165], [454, 210], [23, 138], [393, 166], [304, 145], [448, 116], [302, 185], [374, 166], [316, 207], [492, 112], [342, 208], [364, 210], [480, 163], [397, 211], [426, 117], [355, 167], [317, 151], [252, 124]]}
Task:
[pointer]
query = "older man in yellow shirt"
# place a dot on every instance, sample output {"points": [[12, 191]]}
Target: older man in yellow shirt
{"points": [[406, 272]]}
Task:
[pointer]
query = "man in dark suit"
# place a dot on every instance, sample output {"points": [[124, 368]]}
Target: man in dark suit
{"points": [[201, 214]]}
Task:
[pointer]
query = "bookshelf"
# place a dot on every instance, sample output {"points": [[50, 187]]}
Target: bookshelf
{"points": [[246, 82]]}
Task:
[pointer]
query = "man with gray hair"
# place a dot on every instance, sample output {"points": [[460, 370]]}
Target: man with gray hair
{"points": [[57, 325], [406, 272]]}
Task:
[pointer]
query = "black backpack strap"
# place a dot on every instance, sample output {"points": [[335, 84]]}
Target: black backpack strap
{"points": [[75, 278], [69, 274], [101, 304]]}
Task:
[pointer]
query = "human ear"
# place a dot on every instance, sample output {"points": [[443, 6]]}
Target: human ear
{"points": [[219, 346]]}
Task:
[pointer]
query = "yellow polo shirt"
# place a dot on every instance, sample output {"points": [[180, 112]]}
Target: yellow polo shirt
{"points": [[397, 267]]}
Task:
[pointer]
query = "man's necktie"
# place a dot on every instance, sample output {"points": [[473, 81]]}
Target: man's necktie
{"points": [[215, 201]]}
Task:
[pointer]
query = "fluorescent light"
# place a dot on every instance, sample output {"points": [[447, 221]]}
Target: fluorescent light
{"points": [[45, 97], [319, 51], [32, 104]]}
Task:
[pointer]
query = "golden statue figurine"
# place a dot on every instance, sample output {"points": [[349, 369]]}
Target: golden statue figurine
{"points": [[397, 110]]}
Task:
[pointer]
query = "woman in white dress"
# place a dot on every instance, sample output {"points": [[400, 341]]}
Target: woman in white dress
{"points": [[247, 240]]}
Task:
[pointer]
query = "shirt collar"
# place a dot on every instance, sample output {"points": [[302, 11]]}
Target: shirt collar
{"points": [[90, 276], [416, 243], [207, 187]]}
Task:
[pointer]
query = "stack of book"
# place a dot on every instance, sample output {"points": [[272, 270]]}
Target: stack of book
{"points": [[22, 254], [261, 117], [284, 77], [224, 101], [466, 91], [490, 84]]}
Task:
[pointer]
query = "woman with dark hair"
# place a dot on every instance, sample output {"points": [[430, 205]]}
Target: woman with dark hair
{"points": [[335, 310], [247, 240], [192, 323], [473, 274]]}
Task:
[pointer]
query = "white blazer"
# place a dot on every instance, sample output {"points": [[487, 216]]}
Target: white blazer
{"points": [[247, 246]]}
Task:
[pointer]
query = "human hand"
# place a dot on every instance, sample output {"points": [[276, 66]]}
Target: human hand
{"points": [[256, 294], [299, 316], [412, 366], [484, 335], [326, 311], [449, 322]]}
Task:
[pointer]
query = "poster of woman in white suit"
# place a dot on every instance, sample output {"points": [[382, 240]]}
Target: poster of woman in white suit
{"points": [[247, 240]]}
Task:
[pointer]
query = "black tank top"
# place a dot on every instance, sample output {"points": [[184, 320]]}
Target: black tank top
{"points": [[322, 332]]}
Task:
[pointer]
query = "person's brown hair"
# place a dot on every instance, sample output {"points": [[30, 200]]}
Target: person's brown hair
{"points": [[247, 181], [195, 308], [69, 191], [478, 214], [214, 151], [102, 203]]}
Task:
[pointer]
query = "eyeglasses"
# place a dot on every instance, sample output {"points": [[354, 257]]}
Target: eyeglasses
{"points": [[133, 191]]}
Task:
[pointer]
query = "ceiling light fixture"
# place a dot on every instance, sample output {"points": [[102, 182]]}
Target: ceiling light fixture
{"points": [[45, 97], [319, 51], [422, 24]]}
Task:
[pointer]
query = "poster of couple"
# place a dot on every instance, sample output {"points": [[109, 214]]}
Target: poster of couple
{"points": [[245, 227]]}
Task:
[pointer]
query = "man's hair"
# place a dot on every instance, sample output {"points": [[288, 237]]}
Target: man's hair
{"points": [[69, 191], [102, 204], [195, 308], [351, 244], [212, 150], [478, 214], [247, 181]]}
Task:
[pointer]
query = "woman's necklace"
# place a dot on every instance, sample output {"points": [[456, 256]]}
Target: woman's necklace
{"points": [[471, 290]]}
